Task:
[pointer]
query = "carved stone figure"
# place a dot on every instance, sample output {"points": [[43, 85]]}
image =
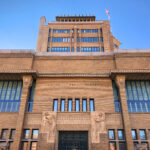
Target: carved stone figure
{"points": [[97, 126], [48, 125]]}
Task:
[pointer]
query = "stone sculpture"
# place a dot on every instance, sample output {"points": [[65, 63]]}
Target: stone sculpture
{"points": [[48, 125], [97, 126]]}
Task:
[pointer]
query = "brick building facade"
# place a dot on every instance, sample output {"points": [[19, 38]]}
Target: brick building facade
{"points": [[77, 91]]}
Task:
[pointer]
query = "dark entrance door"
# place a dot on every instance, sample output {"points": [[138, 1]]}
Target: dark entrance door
{"points": [[73, 140]]}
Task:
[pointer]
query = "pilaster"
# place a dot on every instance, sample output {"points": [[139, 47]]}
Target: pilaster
{"points": [[120, 81], [27, 82]]}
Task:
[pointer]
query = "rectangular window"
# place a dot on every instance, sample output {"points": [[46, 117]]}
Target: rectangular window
{"points": [[112, 145], [134, 135], [4, 134], [62, 39], [89, 39], [90, 49], [49, 39], [48, 49], [49, 30], [149, 132], [31, 96], [136, 146], [72, 49], [35, 133], [24, 146], [10, 95], [101, 39], [78, 39], [116, 97], [122, 146], [62, 105], [26, 134], [142, 134], [92, 105], [78, 49], [60, 49], [89, 30], [101, 30], [121, 135], [138, 95], [77, 105], [102, 49], [111, 134], [84, 105], [55, 105], [69, 105], [61, 31], [12, 134], [33, 146]]}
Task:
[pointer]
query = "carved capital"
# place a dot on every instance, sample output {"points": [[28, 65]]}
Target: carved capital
{"points": [[27, 81], [120, 80]]}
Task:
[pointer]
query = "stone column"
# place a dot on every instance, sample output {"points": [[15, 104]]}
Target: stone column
{"points": [[27, 82], [88, 106], [73, 104], [120, 81]]}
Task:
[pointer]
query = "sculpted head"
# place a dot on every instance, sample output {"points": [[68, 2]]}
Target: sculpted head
{"points": [[99, 116]]}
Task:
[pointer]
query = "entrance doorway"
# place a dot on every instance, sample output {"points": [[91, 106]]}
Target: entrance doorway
{"points": [[73, 140]]}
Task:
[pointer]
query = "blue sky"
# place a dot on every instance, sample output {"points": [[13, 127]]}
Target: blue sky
{"points": [[19, 20]]}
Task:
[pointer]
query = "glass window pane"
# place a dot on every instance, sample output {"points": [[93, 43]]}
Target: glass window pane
{"points": [[35, 134], [84, 105], [12, 133], [122, 146], [33, 146], [120, 135], [142, 134], [136, 146], [8, 90], [55, 105], [112, 146], [134, 135], [4, 134], [77, 105], [62, 105], [13, 90], [24, 146], [70, 105], [91, 104], [26, 134], [149, 132], [111, 134]]}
